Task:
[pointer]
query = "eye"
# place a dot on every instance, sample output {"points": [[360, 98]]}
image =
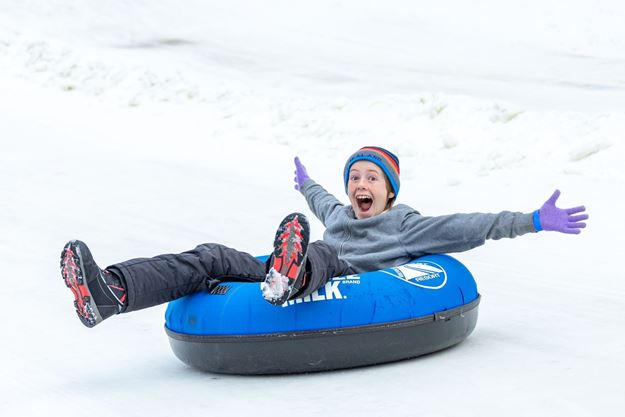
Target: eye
{"points": [[373, 178], [354, 178]]}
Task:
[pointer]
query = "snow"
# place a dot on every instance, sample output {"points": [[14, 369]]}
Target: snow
{"points": [[145, 128], [275, 286]]}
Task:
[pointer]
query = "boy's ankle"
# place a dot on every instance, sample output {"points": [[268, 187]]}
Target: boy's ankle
{"points": [[116, 289]]}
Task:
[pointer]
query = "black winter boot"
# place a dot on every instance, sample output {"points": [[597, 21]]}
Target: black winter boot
{"points": [[98, 293], [287, 273]]}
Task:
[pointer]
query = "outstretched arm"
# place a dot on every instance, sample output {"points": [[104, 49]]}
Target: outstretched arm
{"points": [[321, 202], [549, 217], [461, 232]]}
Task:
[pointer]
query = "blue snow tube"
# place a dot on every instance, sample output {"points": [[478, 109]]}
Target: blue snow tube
{"points": [[424, 306]]}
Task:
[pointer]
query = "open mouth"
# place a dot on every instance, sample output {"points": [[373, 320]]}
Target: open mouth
{"points": [[364, 202]]}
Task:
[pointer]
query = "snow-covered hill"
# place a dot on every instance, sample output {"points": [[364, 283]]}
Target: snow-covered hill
{"points": [[147, 128]]}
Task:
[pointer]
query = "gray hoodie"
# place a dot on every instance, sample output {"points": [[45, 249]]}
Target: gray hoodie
{"points": [[402, 233]]}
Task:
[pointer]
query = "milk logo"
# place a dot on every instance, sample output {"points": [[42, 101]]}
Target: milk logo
{"points": [[424, 274], [330, 291]]}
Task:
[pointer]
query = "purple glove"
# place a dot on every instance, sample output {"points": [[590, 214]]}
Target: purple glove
{"points": [[549, 217], [301, 176]]}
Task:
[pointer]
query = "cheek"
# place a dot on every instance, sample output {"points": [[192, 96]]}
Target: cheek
{"points": [[382, 195]]}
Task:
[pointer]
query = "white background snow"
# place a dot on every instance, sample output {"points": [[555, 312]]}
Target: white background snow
{"points": [[147, 127]]}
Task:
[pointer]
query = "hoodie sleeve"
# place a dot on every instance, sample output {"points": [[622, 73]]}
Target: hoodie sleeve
{"points": [[421, 235], [321, 202]]}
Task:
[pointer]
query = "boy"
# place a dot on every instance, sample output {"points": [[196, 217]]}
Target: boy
{"points": [[369, 234]]}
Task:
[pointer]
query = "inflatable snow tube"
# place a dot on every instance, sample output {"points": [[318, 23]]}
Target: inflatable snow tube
{"points": [[376, 317]]}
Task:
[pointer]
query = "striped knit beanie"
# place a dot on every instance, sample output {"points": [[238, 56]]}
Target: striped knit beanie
{"points": [[382, 158]]}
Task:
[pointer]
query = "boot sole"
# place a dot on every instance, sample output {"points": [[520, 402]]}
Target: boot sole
{"points": [[72, 271], [288, 257]]}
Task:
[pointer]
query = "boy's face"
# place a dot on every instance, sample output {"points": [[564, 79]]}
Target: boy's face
{"points": [[368, 189]]}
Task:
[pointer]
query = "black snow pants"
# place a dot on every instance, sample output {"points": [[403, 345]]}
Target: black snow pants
{"points": [[153, 281]]}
